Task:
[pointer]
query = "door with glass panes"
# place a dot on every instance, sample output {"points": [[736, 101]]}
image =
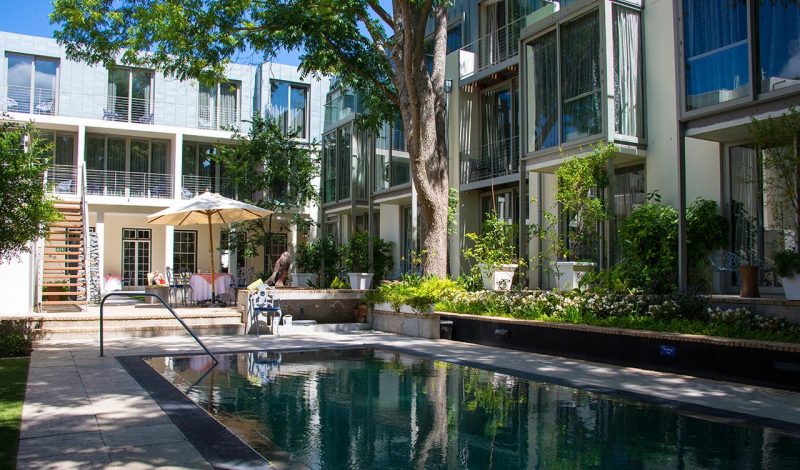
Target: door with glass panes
{"points": [[135, 256]]}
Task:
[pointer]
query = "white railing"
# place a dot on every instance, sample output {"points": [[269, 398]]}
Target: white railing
{"points": [[176, 109], [196, 185], [62, 179], [85, 228], [128, 184]]}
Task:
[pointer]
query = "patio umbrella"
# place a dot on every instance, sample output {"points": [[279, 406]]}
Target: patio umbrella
{"points": [[208, 208]]}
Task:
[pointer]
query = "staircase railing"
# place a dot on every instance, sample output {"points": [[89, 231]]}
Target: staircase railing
{"points": [[85, 229], [166, 305]]}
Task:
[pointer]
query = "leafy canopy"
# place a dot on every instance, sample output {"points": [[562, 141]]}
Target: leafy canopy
{"points": [[26, 211]]}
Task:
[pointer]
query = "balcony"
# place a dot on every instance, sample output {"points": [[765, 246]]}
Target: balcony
{"points": [[490, 49], [340, 108], [128, 184], [499, 158], [195, 185], [179, 111], [63, 179]]}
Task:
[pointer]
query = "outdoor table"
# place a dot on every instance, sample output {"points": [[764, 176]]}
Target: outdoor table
{"points": [[112, 283], [201, 285]]}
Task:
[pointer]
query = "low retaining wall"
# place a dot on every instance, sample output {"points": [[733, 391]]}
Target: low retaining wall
{"points": [[762, 362], [765, 306], [322, 305], [409, 324]]}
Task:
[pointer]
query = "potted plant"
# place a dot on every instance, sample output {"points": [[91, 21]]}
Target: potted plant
{"points": [[581, 183], [356, 261], [307, 262], [787, 266], [495, 252]]}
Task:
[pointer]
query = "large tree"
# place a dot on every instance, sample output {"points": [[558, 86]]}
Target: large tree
{"points": [[26, 211], [383, 54]]}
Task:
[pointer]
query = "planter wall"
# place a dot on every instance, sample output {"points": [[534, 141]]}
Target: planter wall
{"points": [[408, 324], [322, 305], [773, 364]]}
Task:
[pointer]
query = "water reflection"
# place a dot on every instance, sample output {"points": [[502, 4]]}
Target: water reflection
{"points": [[377, 409]]}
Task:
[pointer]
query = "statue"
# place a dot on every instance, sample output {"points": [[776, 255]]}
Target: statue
{"points": [[280, 271]]}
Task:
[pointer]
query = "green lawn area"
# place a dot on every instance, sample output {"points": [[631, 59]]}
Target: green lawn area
{"points": [[13, 377]]}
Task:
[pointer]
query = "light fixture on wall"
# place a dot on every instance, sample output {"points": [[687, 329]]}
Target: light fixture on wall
{"points": [[448, 85]]}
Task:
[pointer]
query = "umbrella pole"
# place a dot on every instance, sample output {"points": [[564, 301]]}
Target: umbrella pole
{"points": [[211, 251]]}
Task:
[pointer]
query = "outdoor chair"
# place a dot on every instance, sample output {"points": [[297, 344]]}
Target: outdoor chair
{"points": [[240, 281], [263, 304], [176, 284]]}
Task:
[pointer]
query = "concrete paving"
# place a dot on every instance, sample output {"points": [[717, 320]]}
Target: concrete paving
{"points": [[84, 411]]}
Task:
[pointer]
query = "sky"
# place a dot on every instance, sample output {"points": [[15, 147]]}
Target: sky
{"points": [[32, 17]]}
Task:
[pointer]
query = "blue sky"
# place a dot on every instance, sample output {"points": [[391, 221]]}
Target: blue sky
{"points": [[32, 17]]}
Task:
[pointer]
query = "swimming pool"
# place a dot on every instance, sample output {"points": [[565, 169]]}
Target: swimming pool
{"points": [[366, 408]]}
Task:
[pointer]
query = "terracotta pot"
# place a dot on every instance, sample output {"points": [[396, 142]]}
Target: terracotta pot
{"points": [[748, 281]]}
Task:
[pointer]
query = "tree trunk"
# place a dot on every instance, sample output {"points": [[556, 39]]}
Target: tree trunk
{"points": [[422, 107]]}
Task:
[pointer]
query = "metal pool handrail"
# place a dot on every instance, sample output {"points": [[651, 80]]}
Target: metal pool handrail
{"points": [[150, 294]]}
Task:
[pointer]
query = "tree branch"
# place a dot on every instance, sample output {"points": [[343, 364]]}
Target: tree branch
{"points": [[383, 14]]}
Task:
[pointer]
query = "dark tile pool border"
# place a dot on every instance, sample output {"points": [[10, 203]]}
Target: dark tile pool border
{"points": [[224, 450]]}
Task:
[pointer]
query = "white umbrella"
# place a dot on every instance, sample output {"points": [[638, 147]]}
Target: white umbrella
{"points": [[208, 208]]}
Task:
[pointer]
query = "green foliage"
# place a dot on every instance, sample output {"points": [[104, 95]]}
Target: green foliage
{"points": [[787, 263], [417, 292], [273, 170], [452, 210], [495, 245], [777, 139], [13, 379], [15, 338], [355, 255], [26, 210], [581, 181], [340, 283], [308, 258], [706, 230]]}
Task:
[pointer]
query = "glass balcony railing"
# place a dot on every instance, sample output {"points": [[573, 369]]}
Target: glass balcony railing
{"points": [[128, 184], [340, 108], [490, 161], [176, 111]]}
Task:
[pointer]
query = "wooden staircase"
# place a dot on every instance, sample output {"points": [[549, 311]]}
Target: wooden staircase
{"points": [[64, 277]]}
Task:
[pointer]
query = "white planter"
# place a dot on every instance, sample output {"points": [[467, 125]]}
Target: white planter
{"points": [[387, 307], [791, 287], [569, 273], [360, 281], [301, 279], [498, 279]]}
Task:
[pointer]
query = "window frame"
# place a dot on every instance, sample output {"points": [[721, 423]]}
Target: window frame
{"points": [[175, 251], [32, 103], [217, 123], [130, 118], [305, 136]]}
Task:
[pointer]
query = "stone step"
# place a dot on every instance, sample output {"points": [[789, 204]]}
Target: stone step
{"points": [[114, 322], [140, 331]]}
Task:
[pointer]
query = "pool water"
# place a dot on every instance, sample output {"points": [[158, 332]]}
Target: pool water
{"points": [[375, 409]]}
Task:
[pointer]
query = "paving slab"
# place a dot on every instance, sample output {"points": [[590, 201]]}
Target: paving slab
{"points": [[83, 411]]}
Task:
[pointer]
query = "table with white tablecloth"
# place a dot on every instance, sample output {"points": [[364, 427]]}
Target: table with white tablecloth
{"points": [[201, 285], [112, 283]]}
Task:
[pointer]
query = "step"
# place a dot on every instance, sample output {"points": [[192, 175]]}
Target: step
{"points": [[75, 250], [65, 333], [62, 276], [143, 322], [64, 284], [62, 244], [63, 302], [66, 225]]}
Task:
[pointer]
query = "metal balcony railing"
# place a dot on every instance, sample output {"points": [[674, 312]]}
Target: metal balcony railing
{"points": [[128, 184], [181, 110], [63, 179], [490, 161], [490, 49], [196, 185]]}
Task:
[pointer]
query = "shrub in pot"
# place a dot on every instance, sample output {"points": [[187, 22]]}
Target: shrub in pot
{"points": [[307, 264], [495, 252], [357, 264], [787, 266]]}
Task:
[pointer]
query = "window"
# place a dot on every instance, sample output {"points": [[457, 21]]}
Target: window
{"points": [[120, 166], [628, 99], [716, 51], [454, 38], [130, 96], [288, 106], [343, 157], [135, 256], [274, 246], [571, 53], [329, 167], [184, 251], [31, 84], [779, 44], [201, 172], [218, 106]]}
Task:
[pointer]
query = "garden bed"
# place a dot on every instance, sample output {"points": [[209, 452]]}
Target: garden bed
{"points": [[764, 362]]}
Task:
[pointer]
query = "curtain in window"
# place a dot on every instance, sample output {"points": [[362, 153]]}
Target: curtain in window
{"points": [[543, 124], [779, 44], [65, 145], [279, 104], [745, 200], [627, 72], [580, 78], [229, 110], [118, 91], [206, 107], [297, 114], [158, 159], [329, 167], [189, 163], [141, 89], [715, 45]]}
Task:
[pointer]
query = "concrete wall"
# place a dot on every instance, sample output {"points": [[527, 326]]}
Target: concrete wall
{"points": [[17, 286], [391, 230], [408, 324]]}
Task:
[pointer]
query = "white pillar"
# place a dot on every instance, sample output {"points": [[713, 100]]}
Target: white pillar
{"points": [[177, 167], [169, 245], [100, 230], [81, 155]]}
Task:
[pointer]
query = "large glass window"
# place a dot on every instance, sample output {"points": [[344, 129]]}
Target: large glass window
{"points": [[580, 78], [184, 251], [382, 153], [716, 51], [343, 176], [118, 166], [454, 38], [130, 96], [288, 106], [543, 108], [218, 106], [329, 167], [779, 44], [31, 84]]}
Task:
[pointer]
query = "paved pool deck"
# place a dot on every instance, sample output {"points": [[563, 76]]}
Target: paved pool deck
{"points": [[84, 411]]}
